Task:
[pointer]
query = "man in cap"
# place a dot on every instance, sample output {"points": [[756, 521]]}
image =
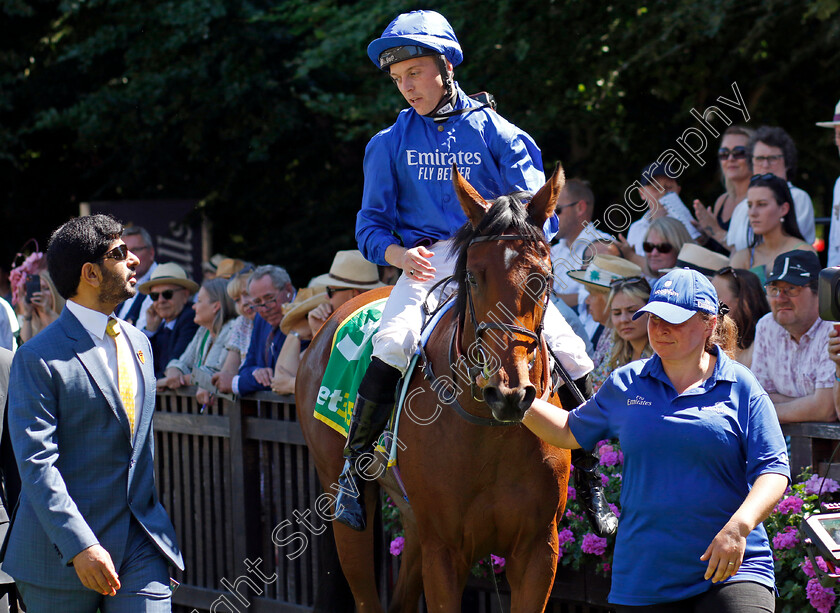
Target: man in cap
{"points": [[790, 359], [834, 231], [410, 211], [169, 319]]}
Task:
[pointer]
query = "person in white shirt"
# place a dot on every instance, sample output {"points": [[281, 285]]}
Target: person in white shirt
{"points": [[834, 229], [773, 151], [578, 240]]}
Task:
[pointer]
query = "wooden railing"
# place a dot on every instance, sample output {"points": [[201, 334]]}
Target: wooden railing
{"points": [[812, 445]]}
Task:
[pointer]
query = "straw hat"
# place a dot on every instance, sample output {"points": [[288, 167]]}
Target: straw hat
{"points": [[834, 122], [603, 270], [229, 267], [349, 269], [699, 258], [307, 298], [168, 273]]}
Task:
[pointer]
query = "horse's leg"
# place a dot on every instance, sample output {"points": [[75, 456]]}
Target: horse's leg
{"points": [[530, 572], [355, 550], [410, 580], [444, 577]]}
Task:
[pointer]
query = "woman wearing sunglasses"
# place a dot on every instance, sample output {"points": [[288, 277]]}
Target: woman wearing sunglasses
{"points": [[735, 170], [773, 225], [705, 460], [662, 245]]}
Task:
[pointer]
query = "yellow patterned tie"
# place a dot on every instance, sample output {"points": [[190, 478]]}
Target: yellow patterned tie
{"points": [[125, 370]]}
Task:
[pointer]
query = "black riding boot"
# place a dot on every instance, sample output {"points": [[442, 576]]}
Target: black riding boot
{"points": [[368, 421], [590, 490]]}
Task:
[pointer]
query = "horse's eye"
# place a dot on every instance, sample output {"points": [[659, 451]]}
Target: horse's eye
{"points": [[471, 279]]}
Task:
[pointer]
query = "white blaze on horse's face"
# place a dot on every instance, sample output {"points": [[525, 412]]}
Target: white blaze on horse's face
{"points": [[510, 257]]}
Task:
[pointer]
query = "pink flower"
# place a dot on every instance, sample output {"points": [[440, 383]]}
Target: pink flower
{"points": [[788, 539], [790, 505], [572, 494], [498, 563], [565, 536], [593, 544], [32, 265], [812, 485], [821, 598], [397, 546], [808, 568], [607, 567]]}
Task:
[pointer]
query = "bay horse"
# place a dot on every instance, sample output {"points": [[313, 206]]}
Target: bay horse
{"points": [[473, 488]]}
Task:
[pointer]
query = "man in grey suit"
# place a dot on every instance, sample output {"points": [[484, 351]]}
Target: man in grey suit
{"points": [[9, 480], [89, 532]]}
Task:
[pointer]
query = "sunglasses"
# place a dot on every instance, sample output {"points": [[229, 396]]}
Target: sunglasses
{"points": [[165, 294], [332, 291], [767, 176], [559, 208], [660, 247], [616, 284], [118, 253], [736, 153]]}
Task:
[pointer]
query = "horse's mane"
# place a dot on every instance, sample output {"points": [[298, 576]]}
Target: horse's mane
{"points": [[507, 215]]}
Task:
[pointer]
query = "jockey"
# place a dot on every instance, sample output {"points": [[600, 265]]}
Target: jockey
{"points": [[410, 211]]}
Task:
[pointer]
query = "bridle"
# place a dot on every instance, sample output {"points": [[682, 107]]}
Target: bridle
{"points": [[456, 354]]}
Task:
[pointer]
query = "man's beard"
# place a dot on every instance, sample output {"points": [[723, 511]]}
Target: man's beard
{"points": [[115, 289]]}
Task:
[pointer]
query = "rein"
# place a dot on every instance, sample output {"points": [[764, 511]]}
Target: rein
{"points": [[456, 352]]}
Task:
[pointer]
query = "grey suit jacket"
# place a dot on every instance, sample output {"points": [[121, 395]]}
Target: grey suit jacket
{"points": [[82, 479], [7, 464]]}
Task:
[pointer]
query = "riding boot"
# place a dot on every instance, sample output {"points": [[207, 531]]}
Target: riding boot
{"points": [[590, 493], [368, 421], [590, 490]]}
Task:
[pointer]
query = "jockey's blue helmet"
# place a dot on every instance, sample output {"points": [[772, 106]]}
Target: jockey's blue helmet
{"points": [[415, 34]]}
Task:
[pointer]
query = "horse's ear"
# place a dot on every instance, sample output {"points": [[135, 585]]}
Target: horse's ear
{"points": [[544, 201], [475, 207]]}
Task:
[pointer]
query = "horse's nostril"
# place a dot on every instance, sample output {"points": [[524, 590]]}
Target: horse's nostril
{"points": [[528, 398], [492, 396]]}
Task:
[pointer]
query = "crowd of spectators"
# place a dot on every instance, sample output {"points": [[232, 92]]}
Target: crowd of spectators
{"points": [[244, 328]]}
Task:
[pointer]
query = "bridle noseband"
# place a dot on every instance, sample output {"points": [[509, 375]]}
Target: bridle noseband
{"points": [[456, 353]]}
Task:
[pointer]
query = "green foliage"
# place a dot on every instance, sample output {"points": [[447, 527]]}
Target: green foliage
{"points": [[261, 109]]}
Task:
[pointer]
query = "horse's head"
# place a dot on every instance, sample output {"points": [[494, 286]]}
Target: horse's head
{"points": [[503, 272]]}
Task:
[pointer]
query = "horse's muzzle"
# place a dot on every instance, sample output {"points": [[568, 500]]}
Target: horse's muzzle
{"points": [[508, 404]]}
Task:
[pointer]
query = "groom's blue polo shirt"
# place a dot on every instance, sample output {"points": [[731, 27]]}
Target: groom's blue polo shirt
{"points": [[689, 462]]}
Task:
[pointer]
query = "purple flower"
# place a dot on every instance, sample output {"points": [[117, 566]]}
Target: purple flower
{"points": [[498, 563], [572, 494], [812, 485], [808, 568], [565, 536], [593, 544], [605, 480], [397, 546], [609, 458], [821, 598], [787, 539], [614, 509], [790, 505]]}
